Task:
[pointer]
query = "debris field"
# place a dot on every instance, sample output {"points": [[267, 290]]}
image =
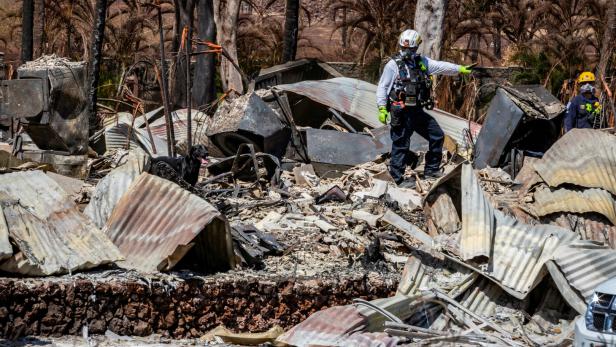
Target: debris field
{"points": [[295, 233]]}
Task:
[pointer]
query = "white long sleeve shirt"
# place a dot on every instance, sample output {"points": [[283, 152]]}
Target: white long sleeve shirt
{"points": [[391, 73]]}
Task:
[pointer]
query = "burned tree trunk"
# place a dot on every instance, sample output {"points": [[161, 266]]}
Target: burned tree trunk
{"points": [[607, 47], [429, 22], [97, 55], [498, 51], [226, 13], [184, 14], [27, 30], [291, 30], [204, 90]]}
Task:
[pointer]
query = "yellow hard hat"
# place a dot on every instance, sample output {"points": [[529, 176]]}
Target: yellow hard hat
{"points": [[586, 77]]}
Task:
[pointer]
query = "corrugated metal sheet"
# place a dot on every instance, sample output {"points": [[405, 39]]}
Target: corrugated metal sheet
{"points": [[565, 200], [584, 157], [477, 218], [112, 187], [51, 234], [180, 125], [156, 223], [521, 250], [357, 98], [115, 138], [586, 264], [327, 328], [518, 251], [482, 297], [6, 250]]}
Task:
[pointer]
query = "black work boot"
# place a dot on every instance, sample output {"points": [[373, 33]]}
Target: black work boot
{"points": [[433, 174]]}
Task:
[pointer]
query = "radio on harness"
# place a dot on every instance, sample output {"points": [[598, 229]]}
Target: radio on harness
{"points": [[413, 86]]}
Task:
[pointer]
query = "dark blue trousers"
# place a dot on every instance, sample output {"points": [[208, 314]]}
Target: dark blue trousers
{"points": [[413, 119]]}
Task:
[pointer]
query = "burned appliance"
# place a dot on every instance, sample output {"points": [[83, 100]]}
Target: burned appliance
{"points": [[49, 98], [521, 121]]}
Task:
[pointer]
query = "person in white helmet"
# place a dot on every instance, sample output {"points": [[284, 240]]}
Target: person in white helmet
{"points": [[402, 94]]}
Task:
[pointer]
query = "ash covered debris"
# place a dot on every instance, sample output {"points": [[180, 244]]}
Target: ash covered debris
{"points": [[295, 222]]}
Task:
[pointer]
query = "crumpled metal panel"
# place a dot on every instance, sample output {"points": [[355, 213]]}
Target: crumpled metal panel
{"points": [[6, 250], [180, 125], [357, 99], [340, 148], [565, 200], [477, 218], [521, 250], [586, 264], [115, 138], [518, 251], [481, 298], [584, 157], [327, 328], [112, 187], [52, 236], [156, 223], [501, 121]]}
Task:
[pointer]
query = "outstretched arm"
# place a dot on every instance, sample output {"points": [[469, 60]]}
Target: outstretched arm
{"points": [[436, 67]]}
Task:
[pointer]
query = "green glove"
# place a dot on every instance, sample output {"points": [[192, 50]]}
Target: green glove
{"points": [[465, 70], [383, 114]]}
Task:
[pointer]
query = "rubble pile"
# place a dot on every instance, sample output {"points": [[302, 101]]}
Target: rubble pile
{"points": [[295, 233]]}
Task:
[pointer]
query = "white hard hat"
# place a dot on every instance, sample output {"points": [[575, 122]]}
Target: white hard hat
{"points": [[410, 38]]}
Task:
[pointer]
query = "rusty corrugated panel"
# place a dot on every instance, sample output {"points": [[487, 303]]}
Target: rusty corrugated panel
{"points": [[357, 98], [477, 218], [586, 264], [518, 251], [156, 222], [110, 189], [565, 200], [115, 138], [51, 234], [328, 327], [180, 125], [584, 157]]}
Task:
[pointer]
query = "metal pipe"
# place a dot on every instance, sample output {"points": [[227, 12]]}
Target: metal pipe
{"points": [[188, 82]]}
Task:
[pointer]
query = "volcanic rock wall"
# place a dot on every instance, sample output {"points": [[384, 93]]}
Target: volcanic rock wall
{"points": [[181, 309]]}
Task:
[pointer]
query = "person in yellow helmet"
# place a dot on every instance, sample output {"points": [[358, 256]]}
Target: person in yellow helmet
{"points": [[584, 110]]}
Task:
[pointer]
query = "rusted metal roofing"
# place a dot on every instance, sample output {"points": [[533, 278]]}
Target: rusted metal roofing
{"points": [[584, 157], [335, 326], [156, 222], [50, 234], [110, 189], [518, 251], [357, 98], [477, 218], [586, 264], [180, 125], [325, 327], [565, 200], [115, 138]]}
